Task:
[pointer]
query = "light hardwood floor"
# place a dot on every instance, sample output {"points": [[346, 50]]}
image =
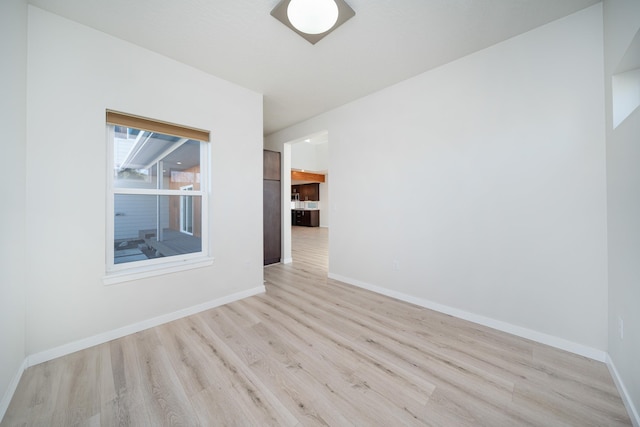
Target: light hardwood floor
{"points": [[313, 351]]}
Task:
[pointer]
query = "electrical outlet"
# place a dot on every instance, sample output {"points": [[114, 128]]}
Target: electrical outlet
{"points": [[396, 265], [621, 327]]}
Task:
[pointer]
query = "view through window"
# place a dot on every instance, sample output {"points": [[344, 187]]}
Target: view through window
{"points": [[158, 197]]}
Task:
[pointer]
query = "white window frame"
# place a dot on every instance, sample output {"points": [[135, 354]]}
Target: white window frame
{"points": [[117, 273]]}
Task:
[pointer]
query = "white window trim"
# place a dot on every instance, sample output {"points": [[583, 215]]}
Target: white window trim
{"points": [[137, 273], [119, 273]]}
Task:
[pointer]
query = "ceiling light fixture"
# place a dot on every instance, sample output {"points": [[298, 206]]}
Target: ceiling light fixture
{"points": [[312, 16], [313, 19]]}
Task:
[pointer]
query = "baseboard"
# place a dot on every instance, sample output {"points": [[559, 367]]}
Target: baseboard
{"points": [[582, 350], [11, 389], [156, 321], [287, 261], [82, 344], [626, 399]]}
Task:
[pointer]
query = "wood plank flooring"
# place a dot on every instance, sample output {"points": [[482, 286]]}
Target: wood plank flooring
{"points": [[316, 352]]}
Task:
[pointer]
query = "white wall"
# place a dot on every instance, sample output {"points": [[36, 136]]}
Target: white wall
{"points": [[623, 178], [303, 156], [322, 156], [483, 181], [13, 68], [74, 74], [322, 159], [325, 202], [310, 157]]}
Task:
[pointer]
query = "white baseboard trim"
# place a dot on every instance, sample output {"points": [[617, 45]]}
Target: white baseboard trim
{"points": [[11, 389], [626, 399], [287, 261], [104, 337], [156, 321], [530, 334]]}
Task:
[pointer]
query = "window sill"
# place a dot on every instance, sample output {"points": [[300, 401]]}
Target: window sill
{"points": [[155, 270]]}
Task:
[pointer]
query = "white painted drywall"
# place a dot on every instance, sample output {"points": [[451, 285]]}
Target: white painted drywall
{"points": [[322, 156], [74, 74], [13, 72], [325, 202], [484, 180], [621, 24], [303, 156], [310, 156], [625, 94]]}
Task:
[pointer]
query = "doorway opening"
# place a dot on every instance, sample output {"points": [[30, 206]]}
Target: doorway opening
{"points": [[306, 197]]}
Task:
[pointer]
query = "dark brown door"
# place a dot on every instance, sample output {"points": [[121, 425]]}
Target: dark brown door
{"points": [[271, 207], [271, 221]]}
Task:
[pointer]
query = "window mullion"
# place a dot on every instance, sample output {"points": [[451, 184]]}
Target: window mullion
{"points": [[159, 231], [153, 192]]}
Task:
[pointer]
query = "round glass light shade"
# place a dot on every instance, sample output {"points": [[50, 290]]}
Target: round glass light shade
{"points": [[312, 16]]}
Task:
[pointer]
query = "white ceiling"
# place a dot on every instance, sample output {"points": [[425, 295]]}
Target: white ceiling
{"points": [[387, 41]]}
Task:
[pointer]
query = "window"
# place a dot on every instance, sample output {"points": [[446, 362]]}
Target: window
{"points": [[625, 83], [157, 201]]}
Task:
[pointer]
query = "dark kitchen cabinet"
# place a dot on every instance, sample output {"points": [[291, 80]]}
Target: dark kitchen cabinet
{"points": [[306, 218], [306, 191], [271, 207], [271, 165]]}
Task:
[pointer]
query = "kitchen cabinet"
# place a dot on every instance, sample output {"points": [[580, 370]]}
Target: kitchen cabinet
{"points": [[306, 218], [271, 207], [271, 165], [306, 191]]}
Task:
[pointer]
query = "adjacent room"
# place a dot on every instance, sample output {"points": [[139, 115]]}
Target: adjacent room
{"points": [[237, 213]]}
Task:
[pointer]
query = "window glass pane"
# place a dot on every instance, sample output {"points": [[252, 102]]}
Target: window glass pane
{"points": [[147, 227], [138, 155]]}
